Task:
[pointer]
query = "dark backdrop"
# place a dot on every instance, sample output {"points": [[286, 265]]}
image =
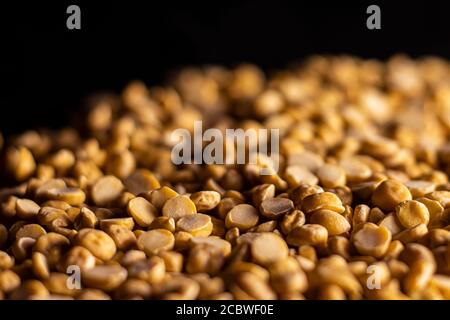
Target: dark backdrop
{"points": [[48, 70]]}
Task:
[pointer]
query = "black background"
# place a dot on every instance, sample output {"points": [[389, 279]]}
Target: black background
{"points": [[48, 70]]}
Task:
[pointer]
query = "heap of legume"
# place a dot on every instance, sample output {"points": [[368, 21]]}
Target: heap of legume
{"points": [[359, 208]]}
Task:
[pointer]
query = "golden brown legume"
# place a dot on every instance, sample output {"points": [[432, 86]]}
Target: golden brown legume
{"points": [[99, 243], [142, 211], [155, 241], [26, 208], [411, 213], [104, 277], [310, 234], [242, 216], [334, 222], [276, 207], [323, 200], [178, 207], [106, 190], [372, 240], [358, 187], [205, 200], [389, 194], [268, 248], [199, 225]]}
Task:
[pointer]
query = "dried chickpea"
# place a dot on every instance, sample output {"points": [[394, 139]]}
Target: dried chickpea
{"points": [[182, 240], [151, 270], [248, 286], [123, 237], [106, 190], [123, 222], [173, 260], [411, 213], [204, 259], [6, 261], [26, 208], [291, 220], [308, 252], [51, 217], [52, 246], [375, 215], [209, 286], [30, 230], [331, 292], [158, 197], [390, 221], [242, 216], [412, 234], [199, 225], [142, 211], [32, 290], [276, 207], [71, 196], [223, 245], [269, 226], [85, 219], [9, 281], [177, 287], [306, 159], [242, 266], [104, 277], [262, 192], [141, 181], [219, 229], [99, 243], [435, 209], [323, 200], [287, 276], [442, 196], [334, 222], [163, 223], [57, 204], [372, 240], [331, 176], [121, 164], [133, 289], [339, 245], [419, 188], [268, 248], [355, 170], [205, 200], [79, 256], [334, 270], [155, 241], [420, 273], [22, 247], [225, 205], [309, 234], [20, 163], [360, 214], [389, 194], [296, 175], [131, 256], [178, 207]]}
